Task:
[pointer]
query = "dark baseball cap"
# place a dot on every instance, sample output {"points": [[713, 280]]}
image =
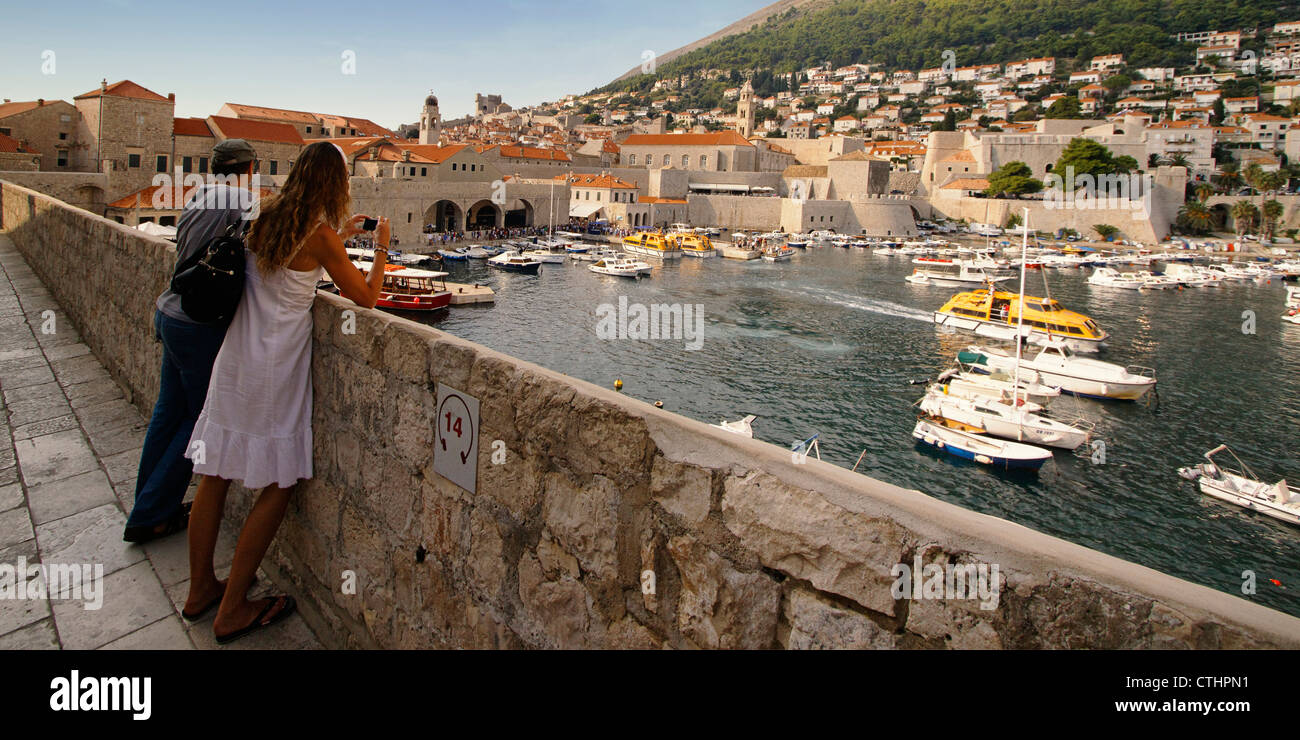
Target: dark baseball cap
{"points": [[233, 151]]}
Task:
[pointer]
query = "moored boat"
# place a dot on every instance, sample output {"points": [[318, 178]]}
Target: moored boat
{"points": [[997, 314], [652, 244], [516, 262], [1245, 489], [999, 453], [1057, 365], [621, 267]]}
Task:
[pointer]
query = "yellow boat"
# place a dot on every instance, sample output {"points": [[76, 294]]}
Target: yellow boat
{"points": [[694, 245], [652, 244], [997, 315]]}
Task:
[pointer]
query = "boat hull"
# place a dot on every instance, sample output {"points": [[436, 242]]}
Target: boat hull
{"points": [[1007, 332], [408, 302], [662, 254], [1211, 487], [965, 447], [529, 269]]}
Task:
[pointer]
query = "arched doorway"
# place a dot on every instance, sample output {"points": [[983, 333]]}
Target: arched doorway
{"points": [[1221, 215], [444, 215], [484, 215], [520, 214]]}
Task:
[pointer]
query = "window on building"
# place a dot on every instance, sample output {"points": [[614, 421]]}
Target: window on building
{"points": [[133, 161], [686, 160], [6, 131], [63, 158], [309, 129], [424, 171], [666, 162], [65, 118], [704, 161], [631, 159], [203, 165], [275, 167], [453, 166], [408, 218], [162, 163], [63, 136], [187, 164]]}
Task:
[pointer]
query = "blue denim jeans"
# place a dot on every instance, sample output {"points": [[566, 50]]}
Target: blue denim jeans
{"points": [[188, 353]]}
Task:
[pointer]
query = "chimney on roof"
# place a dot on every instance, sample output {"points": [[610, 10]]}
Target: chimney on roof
{"points": [[171, 97], [39, 102], [103, 85]]}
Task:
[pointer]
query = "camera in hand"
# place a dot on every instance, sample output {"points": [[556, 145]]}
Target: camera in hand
{"points": [[370, 224]]}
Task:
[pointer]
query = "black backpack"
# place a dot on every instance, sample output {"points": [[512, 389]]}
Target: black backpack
{"points": [[211, 282]]}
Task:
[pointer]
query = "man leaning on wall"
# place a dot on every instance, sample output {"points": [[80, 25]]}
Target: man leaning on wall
{"points": [[189, 350]]}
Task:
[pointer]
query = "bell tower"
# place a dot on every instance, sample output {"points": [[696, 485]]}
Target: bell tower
{"points": [[745, 111], [430, 122]]}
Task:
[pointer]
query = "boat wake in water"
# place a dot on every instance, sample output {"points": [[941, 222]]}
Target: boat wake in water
{"points": [[885, 308]]}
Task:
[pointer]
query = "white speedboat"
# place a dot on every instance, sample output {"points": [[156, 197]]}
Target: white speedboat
{"points": [[515, 262], [1004, 420], [777, 254], [1056, 364], [1109, 277], [978, 448], [546, 256], [951, 273], [476, 252], [620, 266], [740, 426], [595, 254], [1293, 296], [1192, 276], [996, 385], [1156, 282], [1243, 488]]}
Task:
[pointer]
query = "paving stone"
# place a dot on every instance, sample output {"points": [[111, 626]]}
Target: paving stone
{"points": [[15, 527], [15, 379], [48, 426], [8, 475], [108, 415], [54, 456], [123, 465], [65, 351], [13, 354], [57, 499], [18, 613], [91, 536], [132, 598], [95, 392], [22, 413], [171, 555], [39, 636], [167, 633], [60, 338], [21, 363], [11, 496], [291, 634], [113, 441], [81, 369], [49, 391]]}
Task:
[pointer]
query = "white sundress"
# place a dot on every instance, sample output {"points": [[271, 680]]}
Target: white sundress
{"points": [[255, 426]]}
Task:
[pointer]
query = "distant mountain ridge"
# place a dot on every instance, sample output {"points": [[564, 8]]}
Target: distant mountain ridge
{"points": [[741, 26], [913, 34]]}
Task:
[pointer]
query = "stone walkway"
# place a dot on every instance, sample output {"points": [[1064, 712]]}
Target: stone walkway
{"points": [[69, 449]]}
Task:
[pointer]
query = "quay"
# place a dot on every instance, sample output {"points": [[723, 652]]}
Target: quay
{"points": [[462, 294]]}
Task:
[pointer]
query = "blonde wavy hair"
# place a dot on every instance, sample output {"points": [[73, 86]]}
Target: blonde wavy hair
{"points": [[316, 190]]}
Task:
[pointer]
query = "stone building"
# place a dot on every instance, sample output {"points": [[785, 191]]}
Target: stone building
{"points": [[277, 144], [128, 131], [309, 125], [488, 105], [745, 111], [430, 122], [15, 156], [724, 151], [47, 127]]}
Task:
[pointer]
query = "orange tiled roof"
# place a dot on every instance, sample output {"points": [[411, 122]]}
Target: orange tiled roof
{"points": [[720, 138], [143, 199], [514, 151], [967, 183], [653, 199], [243, 128], [190, 127], [11, 145], [279, 114], [125, 89], [13, 109], [598, 181]]}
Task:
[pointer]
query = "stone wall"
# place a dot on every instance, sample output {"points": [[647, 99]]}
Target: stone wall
{"points": [[747, 548]]}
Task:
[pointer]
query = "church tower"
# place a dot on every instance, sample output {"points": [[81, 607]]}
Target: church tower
{"points": [[745, 111], [430, 122]]}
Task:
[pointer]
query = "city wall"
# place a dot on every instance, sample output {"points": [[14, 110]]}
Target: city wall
{"points": [[596, 496]]}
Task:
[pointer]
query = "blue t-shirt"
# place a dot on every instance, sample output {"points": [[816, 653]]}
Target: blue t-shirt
{"points": [[209, 213]]}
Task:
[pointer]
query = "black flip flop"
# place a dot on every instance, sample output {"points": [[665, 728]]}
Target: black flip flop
{"points": [[142, 535], [210, 605], [262, 620]]}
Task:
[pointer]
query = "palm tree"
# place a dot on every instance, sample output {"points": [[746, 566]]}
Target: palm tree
{"points": [[1194, 217], [1204, 191], [1177, 160], [1254, 176], [1243, 214], [1229, 176], [1272, 211], [1105, 231]]}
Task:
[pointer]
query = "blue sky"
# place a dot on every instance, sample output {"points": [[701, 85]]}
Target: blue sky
{"points": [[290, 54]]}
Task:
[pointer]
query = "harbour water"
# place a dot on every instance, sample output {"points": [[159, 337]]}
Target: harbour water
{"points": [[829, 342]]}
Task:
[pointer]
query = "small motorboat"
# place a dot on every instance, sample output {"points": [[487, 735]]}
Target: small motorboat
{"points": [[997, 384], [1293, 296], [515, 262], [740, 426], [1242, 487], [1056, 364], [1292, 316], [777, 254], [546, 255], [621, 267], [459, 254], [476, 252], [999, 453], [1004, 419], [1109, 277]]}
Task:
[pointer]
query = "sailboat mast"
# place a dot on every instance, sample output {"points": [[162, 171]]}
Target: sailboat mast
{"points": [[1020, 321]]}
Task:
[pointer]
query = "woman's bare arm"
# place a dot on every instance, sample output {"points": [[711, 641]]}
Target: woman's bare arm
{"points": [[361, 288]]}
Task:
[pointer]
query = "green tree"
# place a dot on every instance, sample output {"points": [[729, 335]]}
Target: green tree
{"points": [[1271, 211], [1067, 107], [1194, 218], [1229, 177], [1105, 231], [1244, 213], [1088, 157], [1012, 178]]}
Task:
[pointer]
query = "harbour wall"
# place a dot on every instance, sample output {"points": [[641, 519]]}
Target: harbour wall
{"points": [[598, 520]]}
